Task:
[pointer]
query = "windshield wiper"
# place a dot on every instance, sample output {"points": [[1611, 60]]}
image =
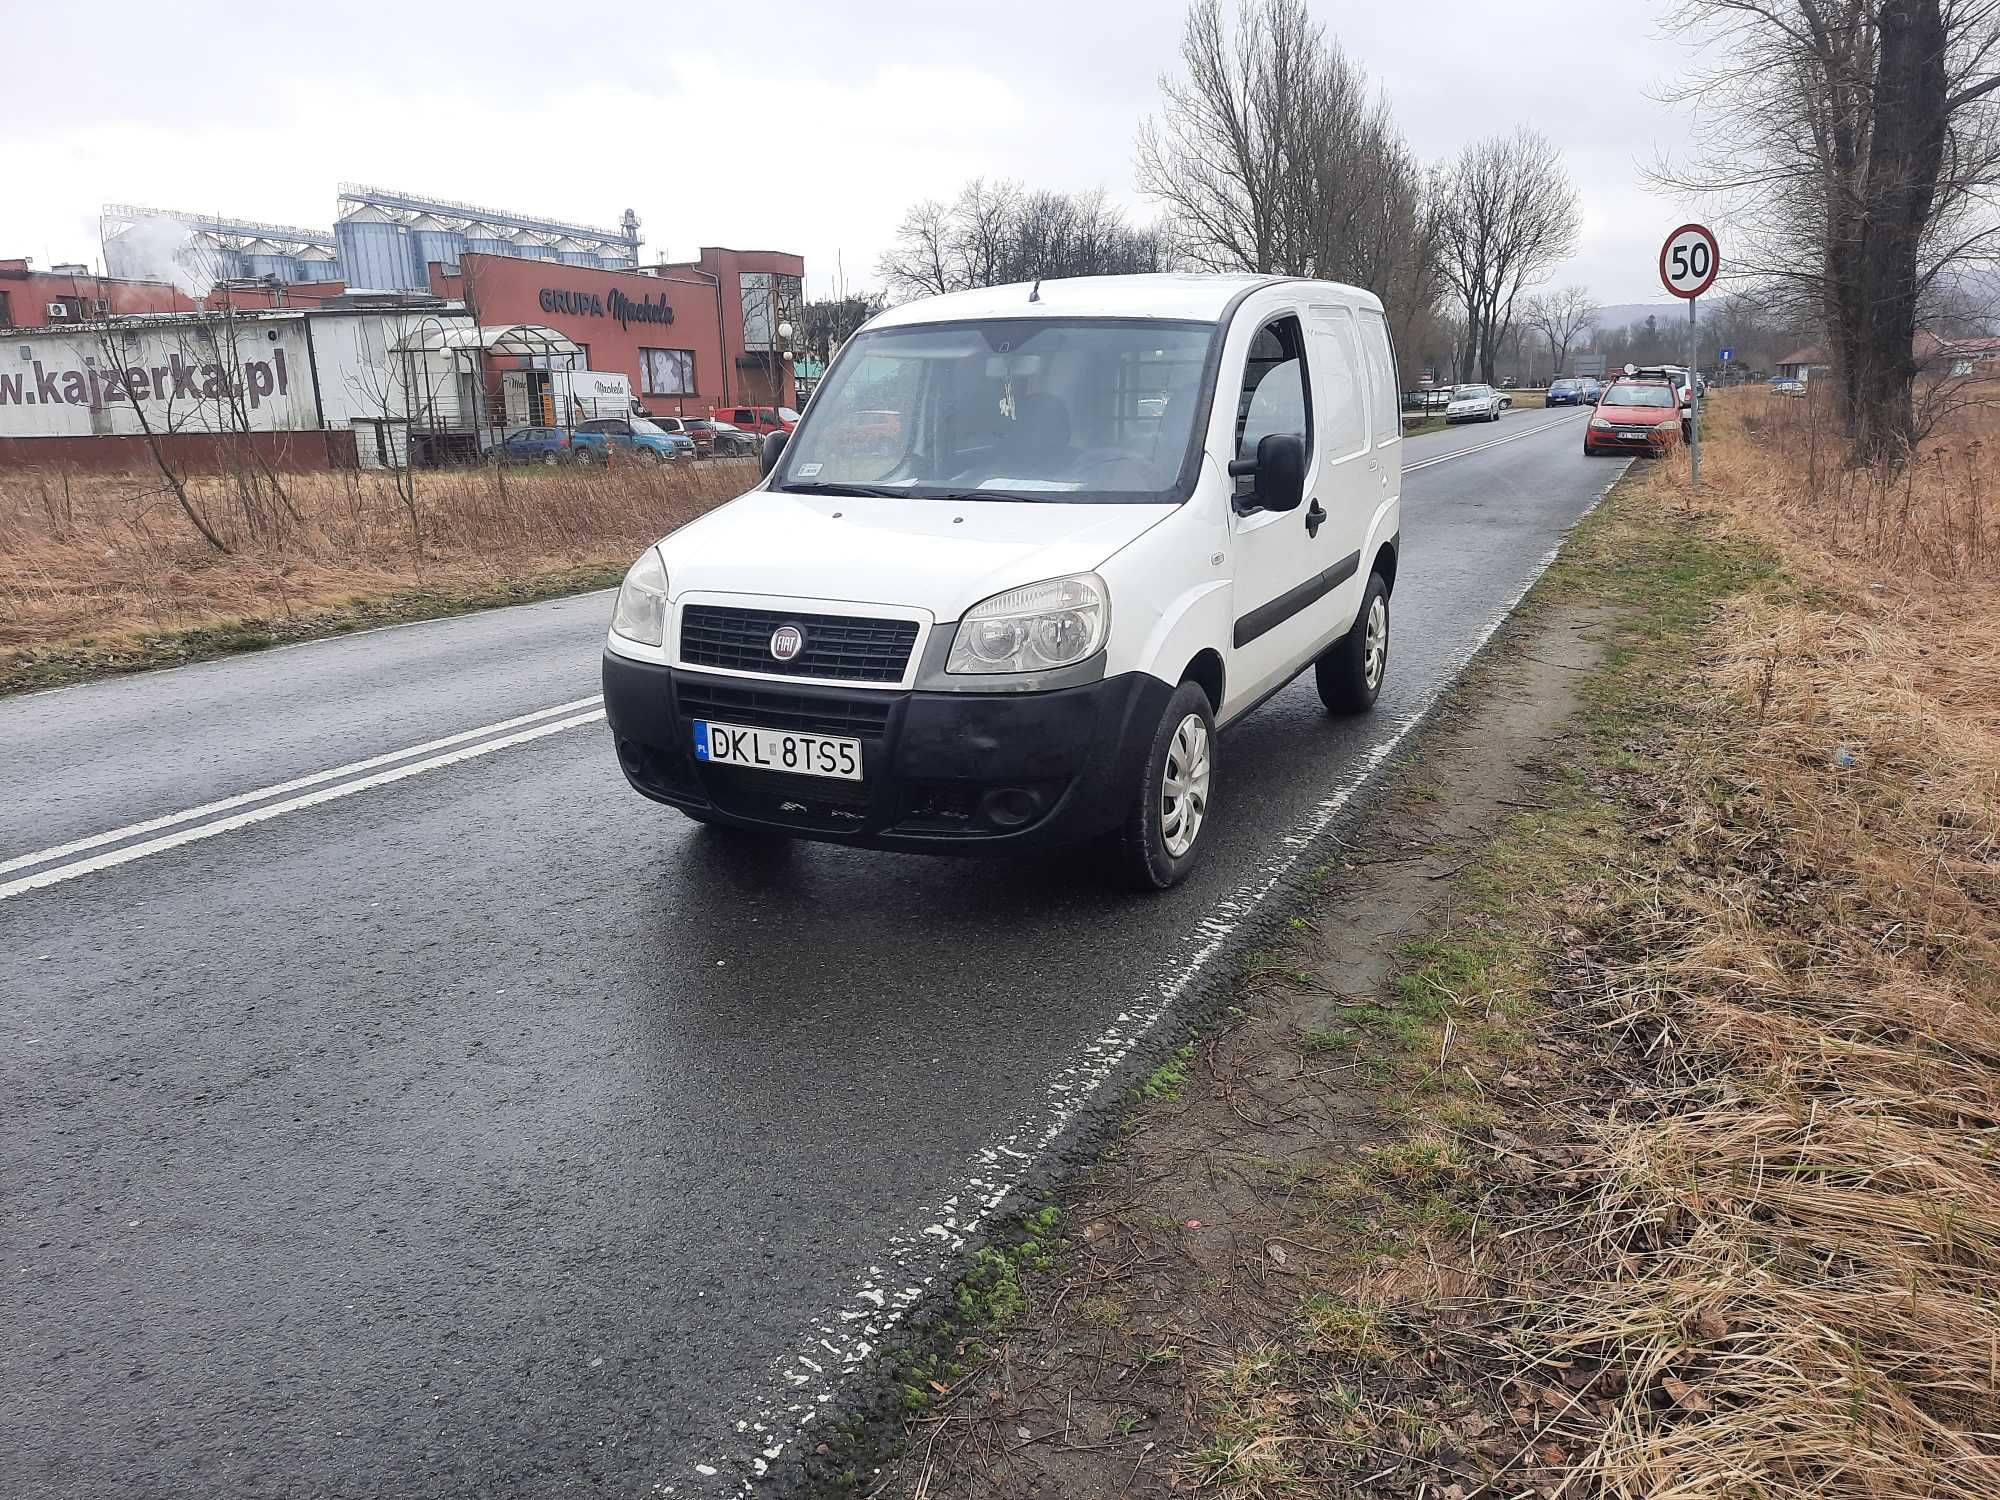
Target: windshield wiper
{"points": [[864, 491]]}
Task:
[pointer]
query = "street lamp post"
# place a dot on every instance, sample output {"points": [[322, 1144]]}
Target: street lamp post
{"points": [[784, 337]]}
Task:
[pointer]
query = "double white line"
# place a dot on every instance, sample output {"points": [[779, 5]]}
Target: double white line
{"points": [[46, 867], [1512, 437]]}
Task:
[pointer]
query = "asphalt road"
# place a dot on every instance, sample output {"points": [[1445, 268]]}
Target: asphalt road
{"points": [[450, 1121]]}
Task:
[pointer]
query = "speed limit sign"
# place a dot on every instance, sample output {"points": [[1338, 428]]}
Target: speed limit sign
{"points": [[1688, 261]]}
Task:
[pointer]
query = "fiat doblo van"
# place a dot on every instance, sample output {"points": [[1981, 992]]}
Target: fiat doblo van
{"points": [[1110, 515]]}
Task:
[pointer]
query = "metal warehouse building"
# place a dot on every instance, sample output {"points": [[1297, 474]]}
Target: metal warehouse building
{"points": [[381, 240]]}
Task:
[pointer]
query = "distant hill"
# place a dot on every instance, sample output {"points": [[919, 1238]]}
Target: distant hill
{"points": [[1622, 314]]}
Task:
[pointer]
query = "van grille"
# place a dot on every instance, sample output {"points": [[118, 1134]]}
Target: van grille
{"points": [[857, 717], [846, 648]]}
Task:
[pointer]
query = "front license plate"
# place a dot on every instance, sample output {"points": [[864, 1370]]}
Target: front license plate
{"points": [[1632, 434], [778, 750]]}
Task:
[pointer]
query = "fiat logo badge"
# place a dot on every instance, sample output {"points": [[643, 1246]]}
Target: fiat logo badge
{"points": [[787, 641]]}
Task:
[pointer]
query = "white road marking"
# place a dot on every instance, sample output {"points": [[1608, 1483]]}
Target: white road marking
{"points": [[243, 799], [853, 1332], [1512, 437], [56, 874]]}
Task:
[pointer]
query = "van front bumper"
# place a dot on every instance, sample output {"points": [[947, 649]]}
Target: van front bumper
{"points": [[942, 772]]}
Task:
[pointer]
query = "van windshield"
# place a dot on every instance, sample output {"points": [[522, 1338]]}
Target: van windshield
{"points": [[1080, 411]]}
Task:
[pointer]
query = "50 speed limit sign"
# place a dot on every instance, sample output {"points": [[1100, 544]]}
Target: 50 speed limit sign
{"points": [[1688, 260]]}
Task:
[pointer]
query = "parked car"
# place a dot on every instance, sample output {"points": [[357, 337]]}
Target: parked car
{"points": [[635, 437], [1639, 414], [1476, 403], [759, 419], [1046, 658], [1788, 387], [732, 441], [1565, 392], [538, 445], [697, 430]]}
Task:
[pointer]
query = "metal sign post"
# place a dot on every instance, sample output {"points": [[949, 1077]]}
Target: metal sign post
{"points": [[1688, 263], [1694, 399]]}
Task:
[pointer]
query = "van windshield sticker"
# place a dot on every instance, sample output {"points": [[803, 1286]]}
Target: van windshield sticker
{"points": [[806, 471]]}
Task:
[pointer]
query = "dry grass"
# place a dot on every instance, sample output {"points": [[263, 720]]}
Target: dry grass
{"points": [[1789, 1237], [103, 558]]}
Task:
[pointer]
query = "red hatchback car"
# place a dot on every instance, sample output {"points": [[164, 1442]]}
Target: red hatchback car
{"points": [[1634, 416]]}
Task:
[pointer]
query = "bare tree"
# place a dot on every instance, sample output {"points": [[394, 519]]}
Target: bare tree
{"points": [[996, 233], [1857, 168], [1270, 155], [1562, 317], [1509, 212], [916, 265], [158, 413]]}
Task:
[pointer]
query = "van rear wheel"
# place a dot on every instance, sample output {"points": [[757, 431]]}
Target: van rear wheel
{"points": [[1162, 835], [1349, 673]]}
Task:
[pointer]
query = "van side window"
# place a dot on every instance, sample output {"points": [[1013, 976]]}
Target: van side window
{"points": [[1382, 376], [1343, 391], [1276, 392]]}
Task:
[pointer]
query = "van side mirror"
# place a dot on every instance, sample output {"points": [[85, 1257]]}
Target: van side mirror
{"points": [[774, 445], [1279, 469]]}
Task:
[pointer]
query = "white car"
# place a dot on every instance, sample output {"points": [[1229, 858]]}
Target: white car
{"points": [[1476, 403], [1115, 515]]}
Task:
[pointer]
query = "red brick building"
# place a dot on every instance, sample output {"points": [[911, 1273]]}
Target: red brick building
{"points": [[71, 294], [691, 335]]}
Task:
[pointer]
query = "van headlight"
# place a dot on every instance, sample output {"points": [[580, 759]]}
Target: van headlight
{"points": [[1034, 628], [641, 614]]}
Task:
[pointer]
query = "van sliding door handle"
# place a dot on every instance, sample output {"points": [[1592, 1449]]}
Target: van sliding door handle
{"points": [[1315, 518]]}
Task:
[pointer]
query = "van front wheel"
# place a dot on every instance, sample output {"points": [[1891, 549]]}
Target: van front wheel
{"points": [[1350, 671], [1161, 837]]}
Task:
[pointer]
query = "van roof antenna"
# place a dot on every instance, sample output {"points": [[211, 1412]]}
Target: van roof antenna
{"points": [[1035, 291]]}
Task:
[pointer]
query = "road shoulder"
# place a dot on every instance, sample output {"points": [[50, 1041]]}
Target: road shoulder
{"points": [[1103, 1348]]}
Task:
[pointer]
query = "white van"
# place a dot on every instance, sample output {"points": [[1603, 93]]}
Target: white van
{"points": [[1027, 550]]}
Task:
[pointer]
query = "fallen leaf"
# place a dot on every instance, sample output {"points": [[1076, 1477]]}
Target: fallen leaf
{"points": [[1023, 1434], [1095, 1230], [1711, 1325], [1512, 1080], [1276, 1252], [1685, 1396]]}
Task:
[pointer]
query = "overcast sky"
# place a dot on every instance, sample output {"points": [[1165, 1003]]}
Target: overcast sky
{"points": [[730, 126]]}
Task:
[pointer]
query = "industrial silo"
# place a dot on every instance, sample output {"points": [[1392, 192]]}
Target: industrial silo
{"points": [[265, 260], [435, 243], [484, 239], [375, 249], [531, 246], [210, 258], [574, 252], [317, 263]]}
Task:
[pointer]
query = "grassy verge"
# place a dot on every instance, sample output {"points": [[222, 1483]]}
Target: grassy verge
{"points": [[106, 573], [86, 657], [1711, 1205]]}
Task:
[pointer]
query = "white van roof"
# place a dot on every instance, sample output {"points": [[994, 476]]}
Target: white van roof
{"points": [[1200, 298]]}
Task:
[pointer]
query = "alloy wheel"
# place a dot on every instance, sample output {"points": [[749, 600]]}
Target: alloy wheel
{"points": [[1184, 787], [1375, 644]]}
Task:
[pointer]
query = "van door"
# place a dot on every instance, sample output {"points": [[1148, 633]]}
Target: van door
{"points": [[1281, 558], [1386, 407], [1349, 475]]}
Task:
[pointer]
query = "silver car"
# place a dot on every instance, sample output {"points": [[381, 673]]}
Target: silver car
{"points": [[1477, 403]]}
